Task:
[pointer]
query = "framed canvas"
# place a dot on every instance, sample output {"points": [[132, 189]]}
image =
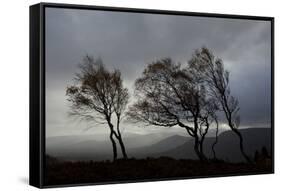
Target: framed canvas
{"points": [[122, 95]]}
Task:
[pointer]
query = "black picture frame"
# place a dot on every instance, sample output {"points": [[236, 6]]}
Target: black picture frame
{"points": [[37, 86]]}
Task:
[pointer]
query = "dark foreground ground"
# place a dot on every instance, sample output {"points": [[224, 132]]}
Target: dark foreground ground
{"points": [[58, 173]]}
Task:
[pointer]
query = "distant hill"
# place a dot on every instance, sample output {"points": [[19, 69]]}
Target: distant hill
{"points": [[93, 147], [161, 146], [227, 147], [175, 146]]}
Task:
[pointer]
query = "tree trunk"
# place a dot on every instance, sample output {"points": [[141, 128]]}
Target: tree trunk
{"points": [[236, 131], [123, 149], [216, 141], [203, 138], [112, 133], [119, 137], [201, 146], [197, 143], [113, 145], [199, 154]]}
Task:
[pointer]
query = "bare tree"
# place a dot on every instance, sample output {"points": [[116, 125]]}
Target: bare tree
{"points": [[167, 96], [97, 95], [211, 69]]}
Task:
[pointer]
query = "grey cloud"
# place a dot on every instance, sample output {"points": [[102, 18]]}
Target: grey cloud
{"points": [[128, 41]]}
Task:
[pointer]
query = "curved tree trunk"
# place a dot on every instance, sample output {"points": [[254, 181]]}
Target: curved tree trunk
{"points": [[113, 145], [123, 149], [203, 138], [201, 144], [112, 133], [197, 142], [216, 140], [236, 131], [199, 154], [119, 137]]}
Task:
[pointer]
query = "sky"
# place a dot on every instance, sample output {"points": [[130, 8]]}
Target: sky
{"points": [[129, 41]]}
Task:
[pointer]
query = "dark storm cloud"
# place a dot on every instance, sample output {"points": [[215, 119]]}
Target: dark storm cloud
{"points": [[128, 41]]}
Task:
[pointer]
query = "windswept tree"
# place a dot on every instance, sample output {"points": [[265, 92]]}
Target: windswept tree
{"points": [[167, 96], [212, 70], [99, 96]]}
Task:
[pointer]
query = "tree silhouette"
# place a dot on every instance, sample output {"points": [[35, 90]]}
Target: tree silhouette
{"points": [[98, 95], [261, 157], [168, 95], [212, 70], [264, 152]]}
